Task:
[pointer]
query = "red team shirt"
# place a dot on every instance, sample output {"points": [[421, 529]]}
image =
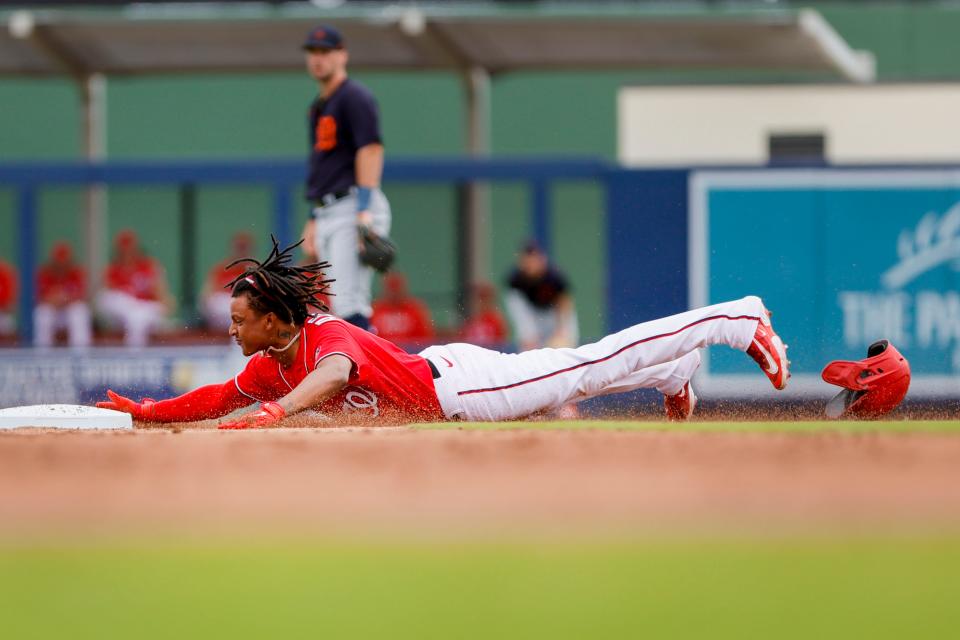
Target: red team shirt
{"points": [[8, 287], [221, 276], [404, 321], [71, 283], [138, 280], [385, 381], [487, 327]]}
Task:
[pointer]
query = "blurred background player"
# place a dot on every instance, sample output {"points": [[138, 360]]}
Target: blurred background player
{"points": [[398, 316], [541, 308], [539, 303], [8, 299], [135, 294], [215, 299], [343, 178], [485, 326], [61, 300]]}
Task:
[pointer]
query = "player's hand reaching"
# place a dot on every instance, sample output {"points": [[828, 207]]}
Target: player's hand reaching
{"points": [[269, 413], [142, 410], [559, 340]]}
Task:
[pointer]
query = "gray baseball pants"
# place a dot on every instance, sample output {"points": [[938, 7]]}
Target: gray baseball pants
{"points": [[335, 238]]}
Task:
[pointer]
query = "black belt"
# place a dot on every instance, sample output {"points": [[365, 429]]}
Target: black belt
{"points": [[433, 369], [329, 198]]}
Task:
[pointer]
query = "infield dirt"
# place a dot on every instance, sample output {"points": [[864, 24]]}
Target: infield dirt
{"points": [[463, 483]]}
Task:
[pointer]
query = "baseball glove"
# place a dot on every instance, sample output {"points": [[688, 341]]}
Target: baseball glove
{"points": [[376, 251]]}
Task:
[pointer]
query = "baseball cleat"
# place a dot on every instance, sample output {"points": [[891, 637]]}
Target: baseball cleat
{"points": [[768, 351], [680, 407]]}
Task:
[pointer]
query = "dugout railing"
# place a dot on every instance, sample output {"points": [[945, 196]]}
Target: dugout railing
{"points": [[283, 177]]}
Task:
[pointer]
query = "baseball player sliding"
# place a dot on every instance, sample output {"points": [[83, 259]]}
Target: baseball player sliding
{"points": [[320, 362]]}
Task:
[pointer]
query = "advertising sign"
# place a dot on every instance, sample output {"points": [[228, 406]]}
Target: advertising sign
{"points": [[843, 258], [64, 376]]}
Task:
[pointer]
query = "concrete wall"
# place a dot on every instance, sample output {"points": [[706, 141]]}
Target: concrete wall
{"points": [[892, 123]]}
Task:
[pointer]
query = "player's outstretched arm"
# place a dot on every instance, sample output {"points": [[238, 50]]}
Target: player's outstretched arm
{"points": [[117, 402], [330, 376], [309, 233], [211, 401]]}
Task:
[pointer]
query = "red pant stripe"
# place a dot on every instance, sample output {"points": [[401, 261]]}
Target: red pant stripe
{"points": [[605, 358]]}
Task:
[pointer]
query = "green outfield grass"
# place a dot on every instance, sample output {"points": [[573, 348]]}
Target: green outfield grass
{"points": [[856, 426], [328, 589]]}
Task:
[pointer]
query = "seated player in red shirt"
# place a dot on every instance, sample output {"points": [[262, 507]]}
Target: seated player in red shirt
{"points": [[61, 300], [135, 293], [216, 296], [486, 325], [398, 316], [320, 362], [8, 299]]}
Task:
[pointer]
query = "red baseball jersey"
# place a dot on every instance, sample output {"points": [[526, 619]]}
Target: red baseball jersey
{"points": [[141, 279], [404, 321], [8, 287], [221, 276], [71, 283], [485, 328], [385, 380]]}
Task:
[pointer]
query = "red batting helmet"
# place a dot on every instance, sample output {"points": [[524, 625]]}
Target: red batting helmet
{"points": [[872, 387]]}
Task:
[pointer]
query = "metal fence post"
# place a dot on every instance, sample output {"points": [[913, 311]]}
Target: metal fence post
{"points": [[27, 240]]}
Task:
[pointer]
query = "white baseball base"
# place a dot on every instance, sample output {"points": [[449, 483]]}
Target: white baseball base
{"points": [[64, 416]]}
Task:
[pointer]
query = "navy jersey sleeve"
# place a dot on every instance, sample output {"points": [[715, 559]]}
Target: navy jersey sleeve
{"points": [[560, 282], [364, 118], [515, 280], [313, 113]]}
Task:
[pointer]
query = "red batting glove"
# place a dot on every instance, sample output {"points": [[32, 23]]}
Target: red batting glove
{"points": [[269, 413], [139, 410]]}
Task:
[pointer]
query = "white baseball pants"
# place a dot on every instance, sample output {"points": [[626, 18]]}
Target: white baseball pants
{"points": [[216, 310], [480, 384], [8, 323], [335, 240], [137, 317], [535, 326], [74, 317]]}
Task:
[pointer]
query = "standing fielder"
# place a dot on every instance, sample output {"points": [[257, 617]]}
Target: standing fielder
{"points": [[322, 363], [343, 179]]}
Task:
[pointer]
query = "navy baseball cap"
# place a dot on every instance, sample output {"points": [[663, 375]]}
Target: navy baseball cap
{"points": [[531, 246], [323, 37]]}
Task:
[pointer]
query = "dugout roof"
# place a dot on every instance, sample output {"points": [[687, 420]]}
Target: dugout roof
{"points": [[180, 38]]}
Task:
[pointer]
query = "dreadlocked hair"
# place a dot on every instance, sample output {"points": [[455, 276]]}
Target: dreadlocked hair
{"points": [[276, 285]]}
